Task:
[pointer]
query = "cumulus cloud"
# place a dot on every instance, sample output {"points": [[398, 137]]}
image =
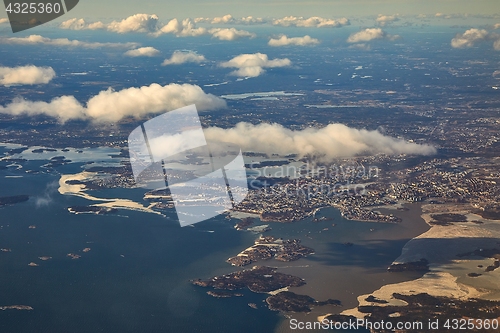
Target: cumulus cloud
{"points": [[62, 108], [332, 141], [112, 106], [496, 26], [383, 20], [229, 19], [4, 20], [469, 38], [73, 24], [140, 23], [224, 19], [26, 75], [230, 34], [135, 23], [299, 41], [251, 20], [184, 28], [80, 24], [180, 57], [144, 23], [312, 22], [39, 40], [143, 52], [370, 34], [253, 65]]}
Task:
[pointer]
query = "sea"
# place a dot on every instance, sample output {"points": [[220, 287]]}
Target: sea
{"points": [[134, 268]]}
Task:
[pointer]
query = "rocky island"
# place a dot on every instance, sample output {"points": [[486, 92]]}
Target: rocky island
{"points": [[99, 210], [259, 279], [416, 266], [222, 294], [16, 307], [287, 301], [270, 247]]}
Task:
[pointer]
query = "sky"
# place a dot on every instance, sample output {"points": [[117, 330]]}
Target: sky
{"points": [[112, 9], [275, 8]]}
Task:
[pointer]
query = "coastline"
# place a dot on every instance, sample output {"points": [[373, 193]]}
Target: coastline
{"points": [[449, 273], [79, 191], [329, 275]]}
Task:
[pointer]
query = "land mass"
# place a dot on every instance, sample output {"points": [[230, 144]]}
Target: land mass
{"points": [[424, 307], [270, 247], [98, 210], [259, 279], [287, 301]]}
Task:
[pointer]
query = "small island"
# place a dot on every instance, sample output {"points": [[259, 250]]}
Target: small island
{"points": [[415, 266], [287, 301], [73, 256], [447, 219], [41, 150], [267, 247], [259, 279], [98, 210], [222, 294], [244, 223], [16, 307]]}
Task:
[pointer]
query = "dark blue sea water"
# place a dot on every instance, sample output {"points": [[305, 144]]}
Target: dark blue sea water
{"points": [[135, 278]]}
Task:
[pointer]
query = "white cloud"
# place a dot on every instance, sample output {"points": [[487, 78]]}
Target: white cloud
{"points": [[180, 57], [183, 28], [63, 108], [370, 34], [80, 24], [39, 40], [73, 24], [251, 20], [315, 21], [229, 19], [469, 38], [4, 20], [143, 52], [135, 23], [253, 65], [332, 141], [300, 41], [112, 106], [144, 23], [383, 20], [224, 19], [496, 26], [26, 75], [230, 34]]}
